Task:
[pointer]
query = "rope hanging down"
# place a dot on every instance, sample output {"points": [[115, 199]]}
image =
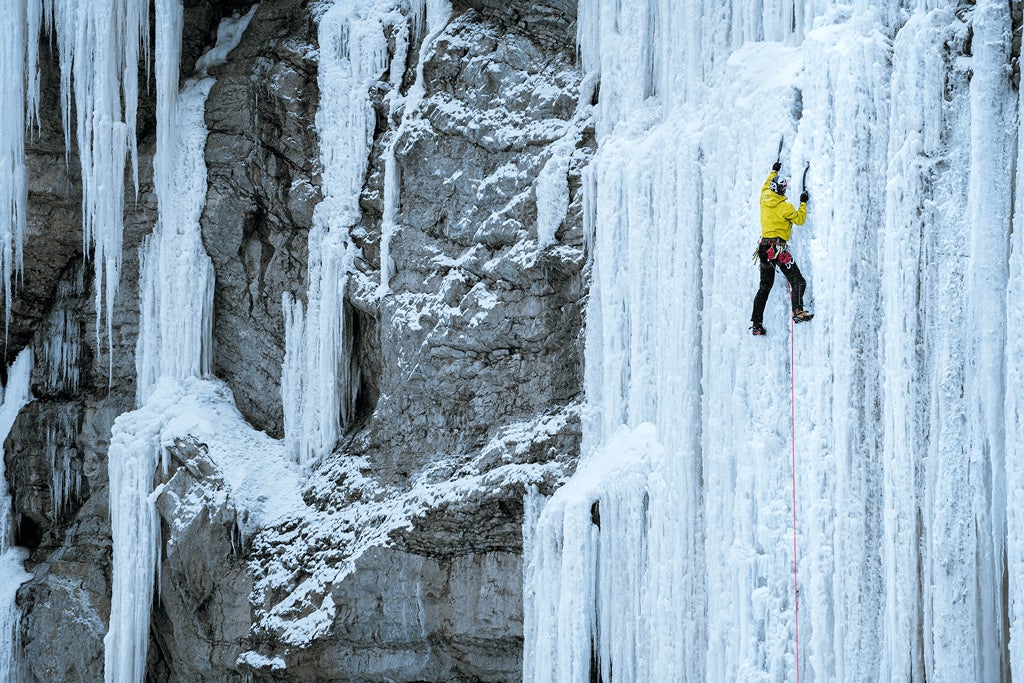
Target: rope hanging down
{"points": [[792, 440]]}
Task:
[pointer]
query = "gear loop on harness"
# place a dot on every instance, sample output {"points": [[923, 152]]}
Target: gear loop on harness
{"points": [[774, 249]]}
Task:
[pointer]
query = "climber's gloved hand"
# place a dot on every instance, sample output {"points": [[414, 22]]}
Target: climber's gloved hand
{"points": [[777, 166], [804, 197]]}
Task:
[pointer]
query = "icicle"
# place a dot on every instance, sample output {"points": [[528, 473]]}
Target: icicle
{"points": [[14, 20], [60, 339], [65, 481], [34, 26], [99, 45]]}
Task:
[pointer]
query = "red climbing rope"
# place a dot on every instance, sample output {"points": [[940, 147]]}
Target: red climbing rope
{"points": [[792, 440]]}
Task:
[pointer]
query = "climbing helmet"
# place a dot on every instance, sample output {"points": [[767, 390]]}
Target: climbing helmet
{"points": [[779, 184]]}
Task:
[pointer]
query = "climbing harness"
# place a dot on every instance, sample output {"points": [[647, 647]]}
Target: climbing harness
{"points": [[775, 249], [793, 467]]}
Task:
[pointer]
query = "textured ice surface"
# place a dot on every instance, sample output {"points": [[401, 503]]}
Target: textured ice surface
{"points": [[907, 415]]}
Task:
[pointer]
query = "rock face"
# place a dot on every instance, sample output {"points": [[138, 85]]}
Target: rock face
{"points": [[203, 616], [261, 154], [406, 564]]}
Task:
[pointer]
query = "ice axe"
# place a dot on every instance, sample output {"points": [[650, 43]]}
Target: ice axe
{"points": [[778, 157], [803, 182]]}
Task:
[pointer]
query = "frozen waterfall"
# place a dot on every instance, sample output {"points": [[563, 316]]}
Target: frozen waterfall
{"points": [[669, 555], [317, 383], [319, 380]]}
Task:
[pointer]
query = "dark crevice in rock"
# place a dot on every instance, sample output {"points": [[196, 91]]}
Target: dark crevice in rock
{"points": [[366, 356], [29, 533]]}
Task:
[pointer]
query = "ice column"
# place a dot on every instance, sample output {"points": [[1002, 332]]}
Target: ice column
{"points": [[12, 572], [317, 386], [175, 336], [177, 278], [13, 180], [918, 123], [993, 135], [1014, 407], [135, 536]]}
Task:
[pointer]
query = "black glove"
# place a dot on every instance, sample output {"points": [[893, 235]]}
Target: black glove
{"points": [[804, 197], [777, 166]]}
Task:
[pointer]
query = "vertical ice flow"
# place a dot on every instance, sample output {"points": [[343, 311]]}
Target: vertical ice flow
{"points": [[429, 19], [318, 382], [14, 66], [844, 96], [993, 135], [177, 278], [175, 336], [1014, 416], [917, 126]]}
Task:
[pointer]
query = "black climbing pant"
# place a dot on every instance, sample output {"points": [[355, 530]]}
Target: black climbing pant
{"points": [[772, 254]]}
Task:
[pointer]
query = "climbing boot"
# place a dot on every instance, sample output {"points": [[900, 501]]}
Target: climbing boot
{"points": [[802, 316], [758, 330]]}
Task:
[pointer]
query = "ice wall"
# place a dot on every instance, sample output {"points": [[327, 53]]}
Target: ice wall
{"points": [[669, 555]]}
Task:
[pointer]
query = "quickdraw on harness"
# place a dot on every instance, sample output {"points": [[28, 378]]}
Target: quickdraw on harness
{"points": [[775, 249]]}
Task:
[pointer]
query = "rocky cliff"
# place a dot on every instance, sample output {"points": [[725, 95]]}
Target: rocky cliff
{"points": [[405, 563]]}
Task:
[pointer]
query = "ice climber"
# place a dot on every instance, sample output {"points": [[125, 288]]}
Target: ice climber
{"points": [[777, 220]]}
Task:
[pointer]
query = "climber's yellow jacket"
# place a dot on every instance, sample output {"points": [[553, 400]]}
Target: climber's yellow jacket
{"points": [[777, 215]]}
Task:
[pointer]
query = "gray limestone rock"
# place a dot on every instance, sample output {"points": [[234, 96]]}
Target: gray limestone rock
{"points": [[550, 22], [203, 616], [259, 206], [409, 617], [66, 605], [470, 378]]}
